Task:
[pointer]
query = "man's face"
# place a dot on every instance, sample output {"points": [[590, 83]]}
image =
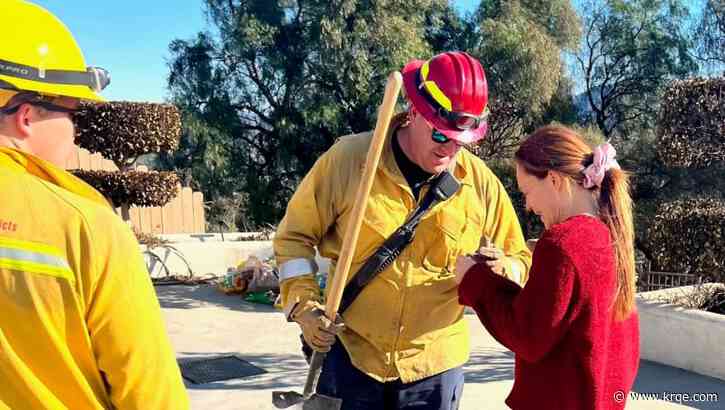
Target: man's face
{"points": [[431, 156], [52, 132]]}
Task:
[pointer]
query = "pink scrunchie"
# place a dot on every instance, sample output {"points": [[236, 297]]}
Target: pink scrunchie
{"points": [[603, 162]]}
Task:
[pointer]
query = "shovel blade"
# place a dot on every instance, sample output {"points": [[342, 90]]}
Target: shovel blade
{"points": [[322, 402], [285, 399]]}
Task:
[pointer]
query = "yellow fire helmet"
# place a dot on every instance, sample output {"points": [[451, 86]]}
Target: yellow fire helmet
{"points": [[41, 55]]}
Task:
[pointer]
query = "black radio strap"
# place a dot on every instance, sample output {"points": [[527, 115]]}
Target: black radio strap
{"points": [[442, 187]]}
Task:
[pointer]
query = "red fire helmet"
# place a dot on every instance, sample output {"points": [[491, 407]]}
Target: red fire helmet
{"points": [[451, 93]]}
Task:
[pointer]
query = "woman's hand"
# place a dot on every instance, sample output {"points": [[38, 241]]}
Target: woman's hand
{"points": [[463, 264]]}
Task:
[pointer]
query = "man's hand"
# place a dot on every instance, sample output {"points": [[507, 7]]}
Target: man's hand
{"points": [[494, 258], [319, 331]]}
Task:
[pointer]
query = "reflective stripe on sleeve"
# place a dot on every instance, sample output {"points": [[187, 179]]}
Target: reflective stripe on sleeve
{"points": [[297, 267], [33, 258], [515, 271]]}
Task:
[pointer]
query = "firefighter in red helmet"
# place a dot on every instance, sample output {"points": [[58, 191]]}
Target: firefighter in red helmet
{"points": [[451, 93], [404, 338]]}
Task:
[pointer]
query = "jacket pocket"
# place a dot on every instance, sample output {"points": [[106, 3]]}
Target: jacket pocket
{"points": [[456, 235], [445, 230]]}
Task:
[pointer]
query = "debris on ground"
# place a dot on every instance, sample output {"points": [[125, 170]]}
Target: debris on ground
{"points": [[256, 280], [184, 280]]}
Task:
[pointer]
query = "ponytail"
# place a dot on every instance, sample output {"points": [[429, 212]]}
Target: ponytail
{"points": [[615, 210]]}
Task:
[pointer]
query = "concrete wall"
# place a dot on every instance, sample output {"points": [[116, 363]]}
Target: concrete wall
{"points": [[206, 258], [685, 338], [208, 255], [208, 237]]}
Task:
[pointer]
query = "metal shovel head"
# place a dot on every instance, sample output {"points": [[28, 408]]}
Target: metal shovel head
{"points": [[322, 402], [283, 400]]}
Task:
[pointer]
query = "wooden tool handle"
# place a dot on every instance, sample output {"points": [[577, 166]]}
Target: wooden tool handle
{"points": [[487, 242], [385, 114]]}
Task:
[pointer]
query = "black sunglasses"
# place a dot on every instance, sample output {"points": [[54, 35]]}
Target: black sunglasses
{"points": [[43, 104], [440, 138]]}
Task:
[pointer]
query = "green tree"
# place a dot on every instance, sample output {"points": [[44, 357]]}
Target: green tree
{"points": [[630, 50], [521, 44], [710, 34], [273, 83], [561, 107], [202, 159], [681, 198], [278, 81]]}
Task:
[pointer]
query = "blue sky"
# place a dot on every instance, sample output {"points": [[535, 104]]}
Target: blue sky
{"points": [[130, 38], [466, 5]]}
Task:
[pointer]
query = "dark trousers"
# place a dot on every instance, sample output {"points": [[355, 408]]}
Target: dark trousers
{"points": [[359, 391]]}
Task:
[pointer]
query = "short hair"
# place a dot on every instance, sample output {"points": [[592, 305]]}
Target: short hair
{"points": [[20, 98]]}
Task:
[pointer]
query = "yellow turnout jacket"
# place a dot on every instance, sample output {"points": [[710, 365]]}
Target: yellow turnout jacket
{"points": [[80, 325]]}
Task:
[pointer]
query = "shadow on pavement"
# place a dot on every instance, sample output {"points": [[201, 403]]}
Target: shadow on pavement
{"points": [[489, 365], [200, 296], [284, 372], [659, 378]]}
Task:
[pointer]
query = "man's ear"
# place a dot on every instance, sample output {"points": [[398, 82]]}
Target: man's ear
{"points": [[23, 120]]}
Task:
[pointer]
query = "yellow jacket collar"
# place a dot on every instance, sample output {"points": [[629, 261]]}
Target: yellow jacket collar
{"points": [[18, 161]]}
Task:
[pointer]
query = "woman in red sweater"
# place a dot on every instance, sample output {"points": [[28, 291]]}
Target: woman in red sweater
{"points": [[574, 326]]}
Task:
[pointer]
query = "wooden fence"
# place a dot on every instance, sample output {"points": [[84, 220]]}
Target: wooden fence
{"points": [[183, 214]]}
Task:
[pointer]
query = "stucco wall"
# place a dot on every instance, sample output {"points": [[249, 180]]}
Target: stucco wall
{"points": [[685, 338]]}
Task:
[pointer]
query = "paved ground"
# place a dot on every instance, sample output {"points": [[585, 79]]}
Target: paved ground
{"points": [[202, 322]]}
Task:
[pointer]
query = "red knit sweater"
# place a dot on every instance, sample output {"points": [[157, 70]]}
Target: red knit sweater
{"points": [[570, 353]]}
